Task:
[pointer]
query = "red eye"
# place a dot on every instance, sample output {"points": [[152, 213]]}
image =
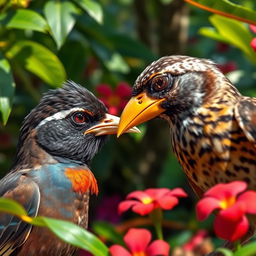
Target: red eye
{"points": [[79, 117]]}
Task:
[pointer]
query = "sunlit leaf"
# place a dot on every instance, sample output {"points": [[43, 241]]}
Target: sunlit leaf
{"points": [[232, 32], [93, 8], [38, 60], [9, 206], [67, 231], [24, 19], [75, 235], [7, 87], [225, 252], [117, 63], [61, 17], [227, 8], [246, 250]]}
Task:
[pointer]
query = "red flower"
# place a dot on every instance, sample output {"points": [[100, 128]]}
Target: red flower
{"points": [[115, 99], [137, 241], [227, 67], [253, 44], [253, 28], [144, 202], [195, 241], [231, 222]]}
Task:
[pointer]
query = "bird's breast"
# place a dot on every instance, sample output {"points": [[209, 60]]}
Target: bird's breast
{"points": [[212, 148]]}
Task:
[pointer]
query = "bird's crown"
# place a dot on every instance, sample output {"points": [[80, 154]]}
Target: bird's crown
{"points": [[176, 65]]}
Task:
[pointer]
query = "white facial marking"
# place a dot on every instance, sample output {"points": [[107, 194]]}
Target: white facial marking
{"points": [[59, 115]]}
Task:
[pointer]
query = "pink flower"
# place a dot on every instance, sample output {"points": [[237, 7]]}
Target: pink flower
{"points": [[115, 99], [137, 241], [253, 28], [233, 203], [144, 202], [195, 241], [253, 44]]}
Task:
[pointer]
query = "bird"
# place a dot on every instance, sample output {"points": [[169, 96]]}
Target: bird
{"points": [[212, 125], [50, 175]]}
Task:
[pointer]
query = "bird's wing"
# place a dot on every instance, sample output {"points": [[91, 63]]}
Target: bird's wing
{"points": [[13, 231], [245, 113]]}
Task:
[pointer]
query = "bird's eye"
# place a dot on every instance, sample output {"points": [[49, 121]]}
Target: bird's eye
{"points": [[160, 82], [79, 117]]}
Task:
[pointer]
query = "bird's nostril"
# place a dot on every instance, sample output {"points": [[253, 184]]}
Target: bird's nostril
{"points": [[107, 121], [140, 101], [139, 98]]}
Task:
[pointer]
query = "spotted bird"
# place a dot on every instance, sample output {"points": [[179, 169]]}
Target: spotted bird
{"points": [[212, 126], [50, 176]]}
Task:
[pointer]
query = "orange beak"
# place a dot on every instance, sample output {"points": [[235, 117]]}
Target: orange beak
{"points": [[109, 125], [139, 110]]}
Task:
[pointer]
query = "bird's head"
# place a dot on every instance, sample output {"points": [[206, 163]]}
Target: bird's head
{"points": [[171, 86], [68, 123]]}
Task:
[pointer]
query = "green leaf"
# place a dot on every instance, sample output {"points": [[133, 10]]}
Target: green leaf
{"points": [[232, 32], [225, 252], [213, 34], [7, 87], [93, 8], [24, 19], [10, 206], [107, 231], [67, 231], [227, 8], [117, 64], [75, 235], [247, 250], [38, 60], [61, 17]]}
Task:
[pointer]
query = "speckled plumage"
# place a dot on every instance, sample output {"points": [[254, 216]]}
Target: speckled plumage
{"points": [[212, 126], [50, 176]]}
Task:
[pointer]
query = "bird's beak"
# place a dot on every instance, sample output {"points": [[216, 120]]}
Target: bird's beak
{"points": [[109, 125], [139, 110]]}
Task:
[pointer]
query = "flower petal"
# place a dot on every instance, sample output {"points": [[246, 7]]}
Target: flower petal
{"points": [[205, 206], [137, 239], [143, 209], [167, 202], [230, 230], [112, 110], [253, 44], [233, 213], [138, 194], [104, 90], [178, 192], [125, 205], [158, 247], [118, 250], [123, 90], [253, 28], [247, 198], [157, 193], [224, 190]]}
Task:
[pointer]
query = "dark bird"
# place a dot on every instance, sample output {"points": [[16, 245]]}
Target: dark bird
{"points": [[50, 176], [213, 126]]}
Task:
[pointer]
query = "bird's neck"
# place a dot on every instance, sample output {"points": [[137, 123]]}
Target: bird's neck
{"points": [[30, 154]]}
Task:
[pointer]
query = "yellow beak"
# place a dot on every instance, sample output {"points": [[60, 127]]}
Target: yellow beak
{"points": [[109, 125], [139, 110]]}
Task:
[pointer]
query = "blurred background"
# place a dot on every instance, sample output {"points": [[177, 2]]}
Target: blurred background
{"points": [[104, 45]]}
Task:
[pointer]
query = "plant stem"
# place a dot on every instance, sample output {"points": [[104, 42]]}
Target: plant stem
{"points": [[157, 218]]}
